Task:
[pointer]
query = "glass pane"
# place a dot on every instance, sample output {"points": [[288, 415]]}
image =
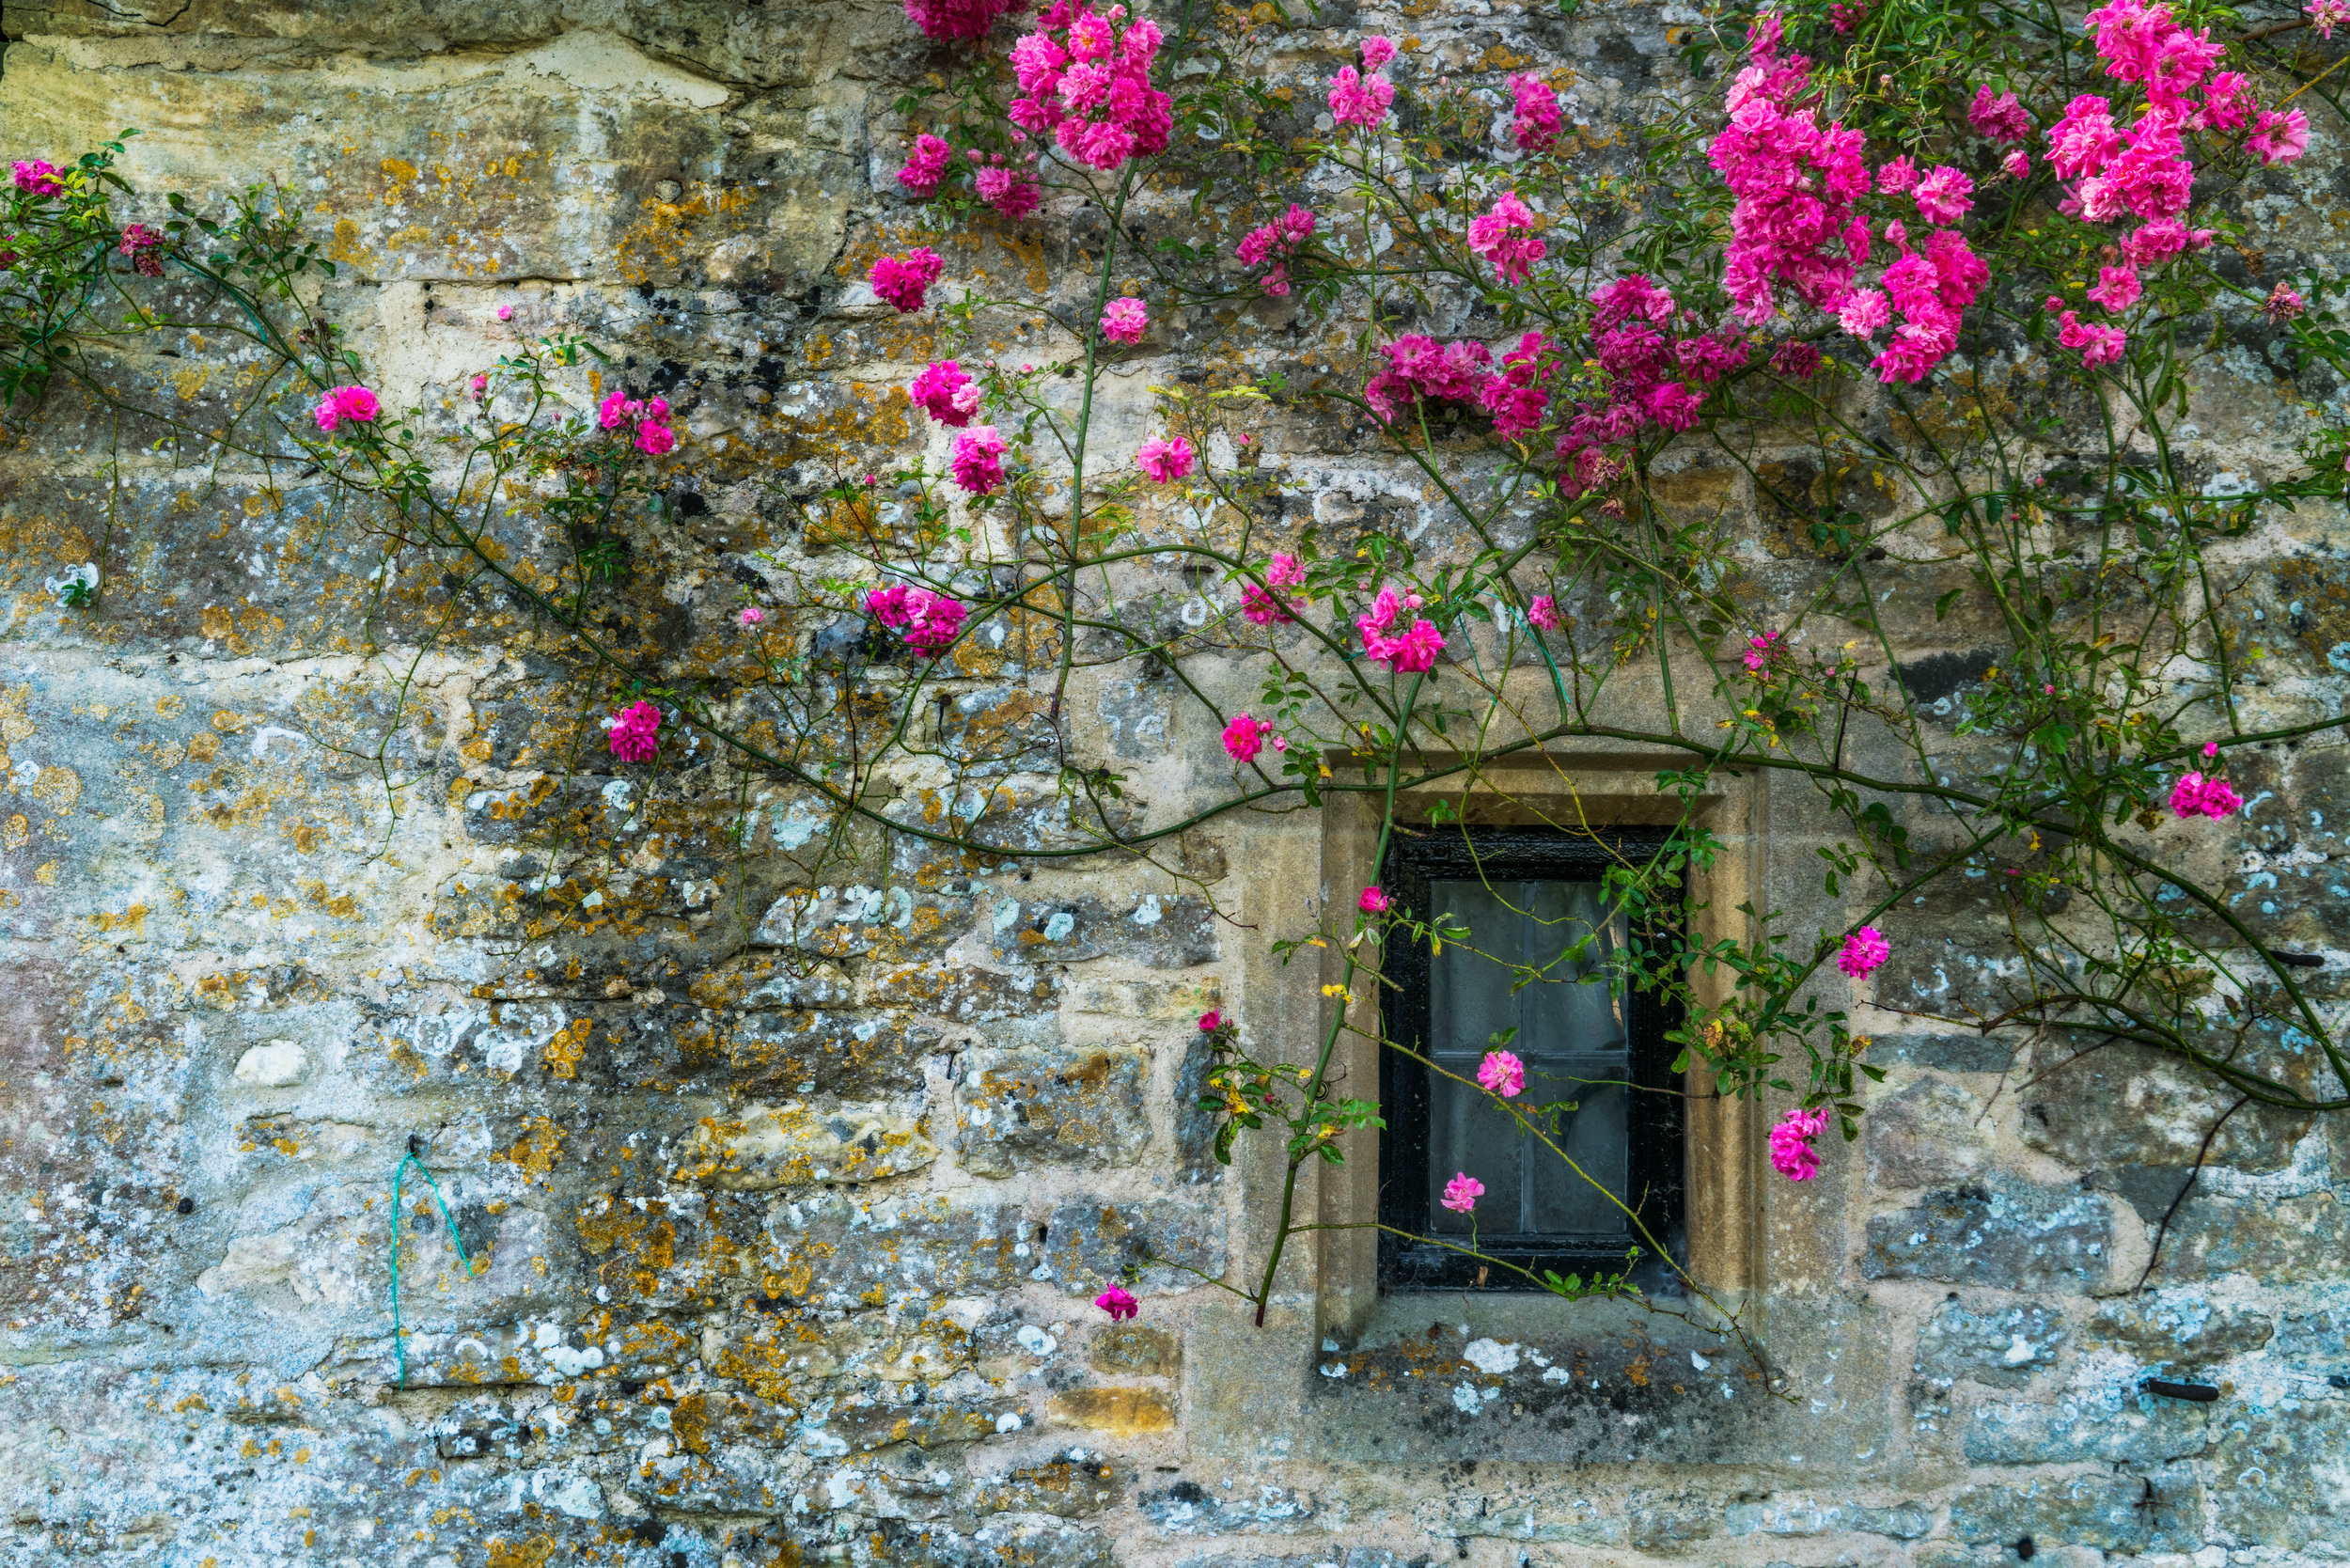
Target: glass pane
{"points": [[1569, 1034]]}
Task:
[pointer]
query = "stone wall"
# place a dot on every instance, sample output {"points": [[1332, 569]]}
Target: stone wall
{"points": [[789, 1216]]}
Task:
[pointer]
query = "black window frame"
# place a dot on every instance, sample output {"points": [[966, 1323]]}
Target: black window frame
{"points": [[1655, 1111]]}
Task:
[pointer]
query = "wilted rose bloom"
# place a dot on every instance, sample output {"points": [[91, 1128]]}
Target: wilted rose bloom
{"points": [[2284, 302], [1863, 951], [1462, 1193], [1119, 1302], [1501, 1073], [1796, 360]]}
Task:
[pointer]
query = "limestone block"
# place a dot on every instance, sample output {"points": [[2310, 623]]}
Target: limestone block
{"points": [[2009, 1234], [1023, 1109], [794, 1145]]}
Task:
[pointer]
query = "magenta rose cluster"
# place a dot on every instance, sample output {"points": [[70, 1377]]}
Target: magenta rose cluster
{"points": [[1791, 1155], [38, 177], [1272, 245], [142, 245], [644, 417], [1360, 98], [927, 622], [2197, 796], [1407, 651], [904, 281], [356, 404], [635, 732], [1085, 80], [945, 393], [1262, 605], [1002, 183]]}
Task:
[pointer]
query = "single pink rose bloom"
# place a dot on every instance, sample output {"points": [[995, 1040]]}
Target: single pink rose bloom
{"points": [[1501, 1073], [636, 729], [1374, 902], [1791, 1155], [1864, 950], [753, 615], [1462, 1193], [1119, 1302]]}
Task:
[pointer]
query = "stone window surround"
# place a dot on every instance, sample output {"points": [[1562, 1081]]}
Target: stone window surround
{"points": [[1246, 1394]]}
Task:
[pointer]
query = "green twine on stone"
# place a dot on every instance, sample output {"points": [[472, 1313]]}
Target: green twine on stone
{"points": [[399, 1351]]}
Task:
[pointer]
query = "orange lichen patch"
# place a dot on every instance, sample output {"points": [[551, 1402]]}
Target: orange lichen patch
{"points": [[661, 239], [1120, 1412], [132, 919], [570, 1043], [537, 1152]]}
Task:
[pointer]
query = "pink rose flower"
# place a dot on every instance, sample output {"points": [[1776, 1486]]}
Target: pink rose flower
{"points": [[978, 465], [1501, 1073], [1537, 124], [1374, 902], [1264, 607], [1462, 1193], [1119, 1302], [1211, 1021], [653, 439], [355, 403], [1124, 320], [505, 312], [1165, 462], [1543, 612], [1377, 52], [1008, 192], [925, 165], [1359, 99], [2194, 795], [1244, 737], [904, 281], [635, 736], [1791, 1155], [1863, 951], [945, 393], [2279, 138], [752, 614], [38, 177]]}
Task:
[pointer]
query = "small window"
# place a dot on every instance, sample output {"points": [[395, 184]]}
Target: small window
{"points": [[1531, 898]]}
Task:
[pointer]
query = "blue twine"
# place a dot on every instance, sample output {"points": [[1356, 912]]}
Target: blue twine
{"points": [[399, 1351]]}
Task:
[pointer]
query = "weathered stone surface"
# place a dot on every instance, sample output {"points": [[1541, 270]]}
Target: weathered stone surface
{"points": [[1998, 1346], [1806, 1517], [2112, 1424], [1022, 1109], [2106, 1512], [1930, 1132], [1132, 1349], [1188, 1508], [1171, 1243], [2180, 1329], [1072, 1487], [2010, 1234], [794, 1145]]}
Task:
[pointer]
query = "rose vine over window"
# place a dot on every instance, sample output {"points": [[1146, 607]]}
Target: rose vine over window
{"points": [[1943, 296]]}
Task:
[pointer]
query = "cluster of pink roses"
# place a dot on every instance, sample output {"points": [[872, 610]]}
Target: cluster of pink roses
{"points": [[1361, 98], [140, 243], [978, 459], [1797, 222], [944, 20], [1407, 652], [1537, 124], [1264, 607], [998, 181], [1499, 235], [1275, 241], [653, 438], [928, 622], [1247, 735], [1086, 81], [2197, 796], [39, 177], [903, 281], [355, 403], [1791, 1155], [945, 393], [635, 732]]}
